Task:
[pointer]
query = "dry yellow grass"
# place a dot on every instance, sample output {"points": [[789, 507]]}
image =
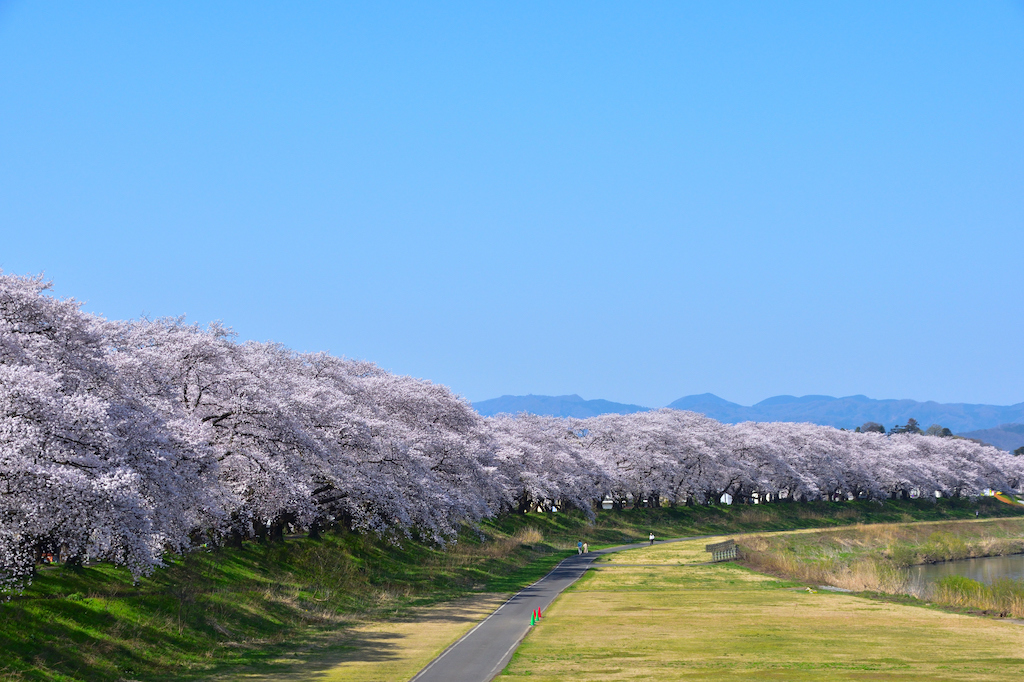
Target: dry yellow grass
{"points": [[387, 651], [873, 557], [680, 621]]}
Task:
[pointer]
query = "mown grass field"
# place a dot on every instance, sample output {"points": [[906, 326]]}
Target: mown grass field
{"points": [[654, 614], [276, 607]]}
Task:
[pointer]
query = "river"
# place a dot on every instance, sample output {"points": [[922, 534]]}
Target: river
{"points": [[984, 569]]}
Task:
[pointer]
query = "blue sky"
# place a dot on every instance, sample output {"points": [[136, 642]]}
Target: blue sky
{"points": [[633, 201]]}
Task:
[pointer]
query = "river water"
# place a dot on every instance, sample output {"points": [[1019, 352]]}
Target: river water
{"points": [[984, 569]]}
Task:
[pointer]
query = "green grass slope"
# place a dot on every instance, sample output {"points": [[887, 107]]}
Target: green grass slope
{"points": [[213, 612]]}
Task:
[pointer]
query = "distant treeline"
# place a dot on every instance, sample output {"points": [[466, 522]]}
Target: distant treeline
{"points": [[122, 441]]}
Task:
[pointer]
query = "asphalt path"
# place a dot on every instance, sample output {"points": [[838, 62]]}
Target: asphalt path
{"points": [[484, 651]]}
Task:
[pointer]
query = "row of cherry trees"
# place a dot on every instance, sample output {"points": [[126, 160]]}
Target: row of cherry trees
{"points": [[122, 441]]}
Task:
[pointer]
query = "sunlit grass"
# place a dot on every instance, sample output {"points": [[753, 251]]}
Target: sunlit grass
{"points": [[255, 609], [383, 650], [249, 609], [720, 622]]}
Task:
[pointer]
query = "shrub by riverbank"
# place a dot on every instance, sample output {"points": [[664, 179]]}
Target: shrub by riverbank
{"points": [[1003, 597]]}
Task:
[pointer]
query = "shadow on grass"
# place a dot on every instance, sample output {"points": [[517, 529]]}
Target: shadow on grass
{"points": [[364, 645]]}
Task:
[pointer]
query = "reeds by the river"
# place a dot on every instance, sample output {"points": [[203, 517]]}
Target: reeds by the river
{"points": [[875, 559], [1003, 597]]}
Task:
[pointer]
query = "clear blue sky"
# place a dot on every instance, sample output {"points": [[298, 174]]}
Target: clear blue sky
{"points": [[633, 201]]}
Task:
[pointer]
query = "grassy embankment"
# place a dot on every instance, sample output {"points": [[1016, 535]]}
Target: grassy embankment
{"points": [[230, 609], [654, 614], [875, 559], [249, 609]]}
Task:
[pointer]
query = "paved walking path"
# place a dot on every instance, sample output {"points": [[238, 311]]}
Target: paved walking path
{"points": [[486, 649]]}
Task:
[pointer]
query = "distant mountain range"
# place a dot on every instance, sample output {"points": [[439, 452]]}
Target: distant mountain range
{"points": [[553, 406], [848, 413], [854, 410], [1007, 437]]}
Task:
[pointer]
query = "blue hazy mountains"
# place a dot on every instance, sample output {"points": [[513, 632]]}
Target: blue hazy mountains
{"points": [[848, 412], [1006, 437], [854, 410], [553, 406]]}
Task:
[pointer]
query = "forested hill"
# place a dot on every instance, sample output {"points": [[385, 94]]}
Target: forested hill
{"points": [[553, 406], [852, 411]]}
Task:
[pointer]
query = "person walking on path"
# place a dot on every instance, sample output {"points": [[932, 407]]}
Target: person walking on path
{"points": [[579, 547], [652, 538], [586, 548]]}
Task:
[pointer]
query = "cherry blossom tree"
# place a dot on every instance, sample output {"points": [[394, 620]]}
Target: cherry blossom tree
{"points": [[122, 441], [86, 470], [541, 461]]}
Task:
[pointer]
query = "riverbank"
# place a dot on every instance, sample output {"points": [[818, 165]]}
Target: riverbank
{"points": [[875, 559], [248, 610]]}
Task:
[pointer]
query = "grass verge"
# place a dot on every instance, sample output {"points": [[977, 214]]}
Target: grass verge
{"points": [[654, 614], [248, 610], [243, 610]]}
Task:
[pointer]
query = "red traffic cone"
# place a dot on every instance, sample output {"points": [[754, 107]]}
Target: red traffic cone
{"points": [[539, 613]]}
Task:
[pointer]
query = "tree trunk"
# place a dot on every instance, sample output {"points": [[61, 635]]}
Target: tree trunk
{"points": [[314, 531], [233, 539]]}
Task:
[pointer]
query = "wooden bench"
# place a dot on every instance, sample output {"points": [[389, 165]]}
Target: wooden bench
{"points": [[722, 551]]}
